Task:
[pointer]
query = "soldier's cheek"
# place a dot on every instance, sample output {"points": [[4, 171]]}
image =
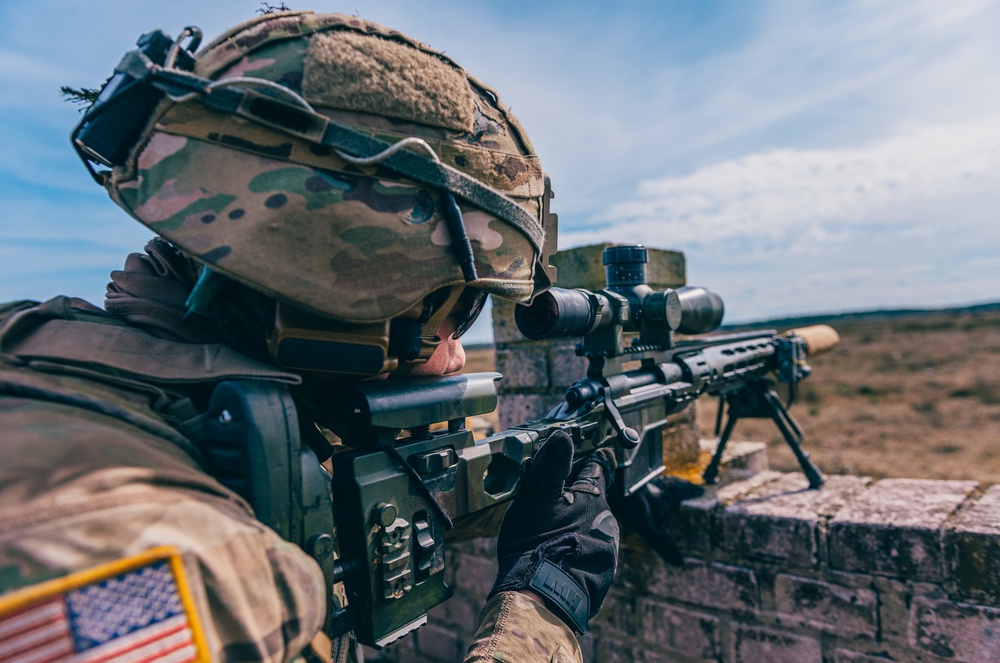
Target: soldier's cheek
{"points": [[448, 357]]}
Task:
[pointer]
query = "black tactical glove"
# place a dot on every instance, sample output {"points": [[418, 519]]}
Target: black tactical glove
{"points": [[561, 542], [647, 511]]}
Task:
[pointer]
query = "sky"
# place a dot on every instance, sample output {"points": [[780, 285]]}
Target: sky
{"points": [[806, 157]]}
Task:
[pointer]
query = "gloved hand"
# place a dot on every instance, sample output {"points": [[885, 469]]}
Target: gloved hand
{"points": [[646, 511], [561, 542]]}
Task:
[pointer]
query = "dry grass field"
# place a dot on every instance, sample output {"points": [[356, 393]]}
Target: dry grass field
{"points": [[916, 395]]}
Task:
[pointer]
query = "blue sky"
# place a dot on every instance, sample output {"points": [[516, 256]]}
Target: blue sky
{"points": [[806, 157]]}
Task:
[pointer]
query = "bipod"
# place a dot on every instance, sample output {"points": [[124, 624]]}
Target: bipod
{"points": [[758, 400]]}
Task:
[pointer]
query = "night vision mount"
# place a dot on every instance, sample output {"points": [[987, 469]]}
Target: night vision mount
{"points": [[112, 124]]}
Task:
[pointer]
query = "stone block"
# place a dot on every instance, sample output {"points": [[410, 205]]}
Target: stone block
{"points": [[588, 647], [755, 645], [973, 545], [848, 656], [485, 546], [401, 651], [618, 614], [666, 269], [475, 576], [504, 327], [523, 367], [718, 586], [404, 656], [699, 523], [850, 612], [781, 521], [567, 366], [457, 613], [451, 559], [679, 630], [612, 650], [895, 603], [894, 528], [583, 267], [641, 655], [680, 438], [960, 631], [514, 409], [464, 546], [439, 644]]}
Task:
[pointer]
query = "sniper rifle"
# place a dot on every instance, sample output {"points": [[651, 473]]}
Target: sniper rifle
{"points": [[401, 486]]}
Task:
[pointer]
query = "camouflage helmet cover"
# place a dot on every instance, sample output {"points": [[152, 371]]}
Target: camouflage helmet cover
{"points": [[291, 218]]}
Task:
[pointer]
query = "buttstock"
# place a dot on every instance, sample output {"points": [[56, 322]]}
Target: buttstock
{"points": [[818, 338]]}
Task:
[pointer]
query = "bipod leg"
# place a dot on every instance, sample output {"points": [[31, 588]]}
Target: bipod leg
{"points": [[793, 435], [711, 473], [718, 414]]}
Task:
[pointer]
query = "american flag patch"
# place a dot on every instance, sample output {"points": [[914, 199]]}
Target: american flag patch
{"points": [[137, 609]]}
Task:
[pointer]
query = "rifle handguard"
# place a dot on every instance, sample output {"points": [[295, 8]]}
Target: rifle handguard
{"points": [[818, 338]]}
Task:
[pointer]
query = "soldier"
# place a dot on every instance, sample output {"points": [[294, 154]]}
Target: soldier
{"points": [[333, 201]]}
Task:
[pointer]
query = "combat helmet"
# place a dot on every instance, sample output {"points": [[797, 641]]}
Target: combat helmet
{"points": [[362, 180]]}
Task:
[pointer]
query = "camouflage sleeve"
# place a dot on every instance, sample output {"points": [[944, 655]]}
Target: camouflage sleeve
{"points": [[514, 627], [81, 492]]}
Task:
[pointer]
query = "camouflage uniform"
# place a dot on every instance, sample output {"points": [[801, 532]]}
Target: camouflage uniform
{"points": [[91, 472], [514, 627], [100, 485]]}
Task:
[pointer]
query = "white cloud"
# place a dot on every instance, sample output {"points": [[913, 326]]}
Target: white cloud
{"points": [[799, 76], [815, 195], [905, 221], [803, 155]]}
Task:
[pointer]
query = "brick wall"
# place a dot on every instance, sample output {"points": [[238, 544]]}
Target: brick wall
{"points": [[857, 572]]}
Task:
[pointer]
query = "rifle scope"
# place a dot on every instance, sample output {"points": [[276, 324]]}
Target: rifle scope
{"points": [[627, 301]]}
